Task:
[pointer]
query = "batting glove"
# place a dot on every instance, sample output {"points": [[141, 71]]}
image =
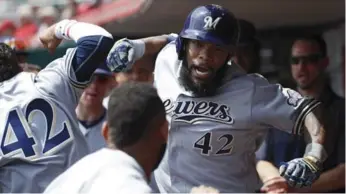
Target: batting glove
{"points": [[301, 172], [124, 53]]}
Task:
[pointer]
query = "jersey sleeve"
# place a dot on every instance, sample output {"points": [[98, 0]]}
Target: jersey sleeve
{"points": [[281, 108], [66, 77]]}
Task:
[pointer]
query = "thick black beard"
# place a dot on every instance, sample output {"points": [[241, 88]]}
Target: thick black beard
{"points": [[200, 89]]}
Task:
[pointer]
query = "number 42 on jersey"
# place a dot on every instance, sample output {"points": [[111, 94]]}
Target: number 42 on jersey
{"points": [[18, 139]]}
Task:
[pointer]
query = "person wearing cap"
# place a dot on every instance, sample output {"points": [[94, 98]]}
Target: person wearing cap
{"points": [[248, 48], [90, 112]]}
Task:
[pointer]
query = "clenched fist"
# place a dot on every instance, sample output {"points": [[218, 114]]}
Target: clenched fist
{"points": [[49, 40]]}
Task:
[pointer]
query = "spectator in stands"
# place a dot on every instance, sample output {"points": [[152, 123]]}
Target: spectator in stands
{"points": [[47, 16], [73, 8], [90, 111], [27, 28], [7, 28], [308, 63]]}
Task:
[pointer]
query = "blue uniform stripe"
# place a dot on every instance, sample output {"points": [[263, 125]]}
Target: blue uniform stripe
{"points": [[306, 107], [91, 52]]}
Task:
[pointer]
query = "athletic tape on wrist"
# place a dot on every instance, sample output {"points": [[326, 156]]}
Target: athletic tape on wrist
{"points": [[316, 150], [171, 37], [62, 29], [139, 48]]}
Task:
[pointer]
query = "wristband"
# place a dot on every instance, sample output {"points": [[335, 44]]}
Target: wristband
{"points": [[171, 37], [139, 48], [62, 29], [317, 151]]}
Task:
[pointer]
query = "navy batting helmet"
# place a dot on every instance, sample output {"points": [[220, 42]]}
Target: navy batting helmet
{"points": [[210, 23]]}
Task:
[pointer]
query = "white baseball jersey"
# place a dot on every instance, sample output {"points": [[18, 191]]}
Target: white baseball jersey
{"points": [[38, 127], [104, 171], [92, 133], [212, 140], [105, 102]]}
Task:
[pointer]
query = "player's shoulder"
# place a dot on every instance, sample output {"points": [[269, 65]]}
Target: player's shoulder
{"points": [[258, 79], [263, 86], [168, 52], [21, 80], [248, 81], [167, 60], [64, 60]]}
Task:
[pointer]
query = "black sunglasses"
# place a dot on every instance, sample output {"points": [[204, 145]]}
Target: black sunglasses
{"points": [[312, 58]]}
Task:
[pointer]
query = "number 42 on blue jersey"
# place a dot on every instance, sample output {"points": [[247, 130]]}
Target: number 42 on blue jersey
{"points": [[18, 140]]}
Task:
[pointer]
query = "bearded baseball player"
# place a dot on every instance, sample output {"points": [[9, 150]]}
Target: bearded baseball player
{"points": [[218, 114]]}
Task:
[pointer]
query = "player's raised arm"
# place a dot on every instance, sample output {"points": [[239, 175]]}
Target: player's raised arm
{"points": [[125, 52], [66, 77], [92, 45], [286, 109]]}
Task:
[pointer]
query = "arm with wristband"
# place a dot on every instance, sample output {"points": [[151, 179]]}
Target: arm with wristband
{"points": [[285, 109], [92, 45], [302, 172], [125, 52]]}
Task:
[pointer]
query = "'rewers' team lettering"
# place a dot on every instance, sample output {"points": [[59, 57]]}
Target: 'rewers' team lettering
{"points": [[191, 111]]}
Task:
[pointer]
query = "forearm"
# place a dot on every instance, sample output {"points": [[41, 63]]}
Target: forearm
{"points": [[266, 170], [330, 180], [315, 134], [93, 44], [73, 30], [154, 44]]}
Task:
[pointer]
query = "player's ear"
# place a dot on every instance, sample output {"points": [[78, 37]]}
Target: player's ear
{"points": [[104, 131]]}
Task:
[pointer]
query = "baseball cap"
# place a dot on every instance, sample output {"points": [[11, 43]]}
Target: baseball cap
{"points": [[103, 70]]}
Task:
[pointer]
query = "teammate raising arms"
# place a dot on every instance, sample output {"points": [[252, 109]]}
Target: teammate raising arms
{"points": [[39, 135], [218, 115]]}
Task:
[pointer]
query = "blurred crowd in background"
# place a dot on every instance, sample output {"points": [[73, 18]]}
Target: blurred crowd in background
{"points": [[32, 18]]}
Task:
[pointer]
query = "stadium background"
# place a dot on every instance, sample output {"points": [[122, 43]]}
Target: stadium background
{"points": [[277, 22]]}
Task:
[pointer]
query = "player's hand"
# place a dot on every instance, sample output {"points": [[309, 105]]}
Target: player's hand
{"points": [[122, 56], [301, 172], [49, 40], [204, 189], [275, 185]]}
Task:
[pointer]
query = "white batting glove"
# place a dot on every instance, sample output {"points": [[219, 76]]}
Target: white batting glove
{"points": [[124, 53], [301, 172]]}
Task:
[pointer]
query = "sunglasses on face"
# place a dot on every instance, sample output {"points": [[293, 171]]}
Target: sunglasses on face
{"points": [[312, 58]]}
